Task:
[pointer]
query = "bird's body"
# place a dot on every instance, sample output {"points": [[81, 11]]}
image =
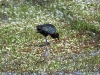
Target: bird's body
{"points": [[48, 29], [45, 30]]}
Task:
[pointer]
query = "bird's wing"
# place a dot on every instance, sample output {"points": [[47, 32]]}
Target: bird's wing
{"points": [[49, 29]]}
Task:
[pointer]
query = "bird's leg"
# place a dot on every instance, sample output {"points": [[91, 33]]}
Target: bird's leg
{"points": [[46, 53], [46, 41], [46, 44]]}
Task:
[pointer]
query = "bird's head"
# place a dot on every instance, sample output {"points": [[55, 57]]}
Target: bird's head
{"points": [[55, 35]]}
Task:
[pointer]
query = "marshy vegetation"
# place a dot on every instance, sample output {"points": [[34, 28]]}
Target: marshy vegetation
{"points": [[77, 22]]}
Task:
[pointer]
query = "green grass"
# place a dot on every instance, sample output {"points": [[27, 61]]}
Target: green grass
{"points": [[79, 30]]}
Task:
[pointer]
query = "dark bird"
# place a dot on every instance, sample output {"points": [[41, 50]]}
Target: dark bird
{"points": [[45, 30], [48, 29]]}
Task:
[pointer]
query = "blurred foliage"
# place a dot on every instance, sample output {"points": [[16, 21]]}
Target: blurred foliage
{"points": [[20, 46]]}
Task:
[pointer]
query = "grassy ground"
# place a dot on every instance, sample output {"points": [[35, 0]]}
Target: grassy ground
{"points": [[21, 47]]}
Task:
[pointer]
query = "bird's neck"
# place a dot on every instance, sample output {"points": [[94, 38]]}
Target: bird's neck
{"points": [[53, 35]]}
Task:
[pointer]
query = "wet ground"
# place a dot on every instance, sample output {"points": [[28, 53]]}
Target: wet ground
{"points": [[54, 73], [62, 72]]}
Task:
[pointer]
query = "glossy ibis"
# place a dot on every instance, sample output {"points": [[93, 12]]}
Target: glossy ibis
{"points": [[48, 29], [45, 30]]}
